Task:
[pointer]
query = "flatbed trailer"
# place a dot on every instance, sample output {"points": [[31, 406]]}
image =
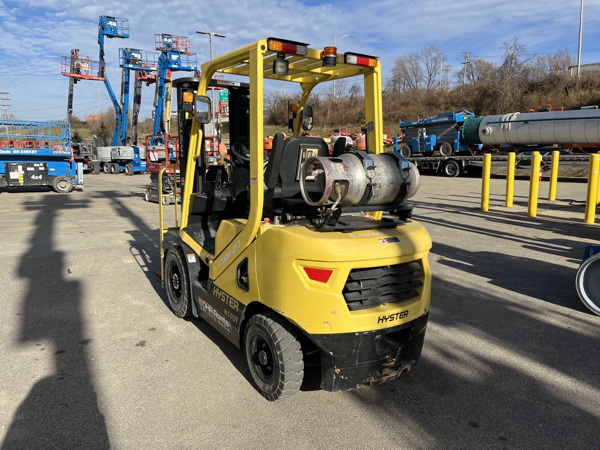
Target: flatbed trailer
{"points": [[38, 154]]}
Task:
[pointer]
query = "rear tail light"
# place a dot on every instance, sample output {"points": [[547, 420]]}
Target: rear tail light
{"points": [[281, 46], [360, 60], [320, 275]]}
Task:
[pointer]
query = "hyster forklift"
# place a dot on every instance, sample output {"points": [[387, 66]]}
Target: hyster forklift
{"points": [[306, 259]]}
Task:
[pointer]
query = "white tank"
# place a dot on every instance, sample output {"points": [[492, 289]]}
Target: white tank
{"points": [[544, 128]]}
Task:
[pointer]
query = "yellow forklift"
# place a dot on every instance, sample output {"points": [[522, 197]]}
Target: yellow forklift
{"points": [[307, 259]]}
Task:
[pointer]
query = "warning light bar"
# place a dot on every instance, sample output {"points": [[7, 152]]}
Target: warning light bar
{"points": [[360, 60], [281, 46]]}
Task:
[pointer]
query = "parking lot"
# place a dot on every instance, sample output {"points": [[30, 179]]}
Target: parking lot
{"points": [[92, 357]]}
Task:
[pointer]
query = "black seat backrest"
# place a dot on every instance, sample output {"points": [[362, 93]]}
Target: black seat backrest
{"points": [[272, 170], [286, 158], [339, 148]]}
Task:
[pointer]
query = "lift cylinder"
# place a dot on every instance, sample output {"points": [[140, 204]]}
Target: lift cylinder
{"points": [[540, 128], [359, 179]]}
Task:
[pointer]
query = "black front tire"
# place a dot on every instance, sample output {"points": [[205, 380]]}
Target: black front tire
{"points": [[106, 167], [129, 169], [115, 168], [177, 283], [62, 185], [274, 356]]}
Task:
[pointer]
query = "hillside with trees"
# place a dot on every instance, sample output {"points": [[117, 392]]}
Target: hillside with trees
{"points": [[419, 86]]}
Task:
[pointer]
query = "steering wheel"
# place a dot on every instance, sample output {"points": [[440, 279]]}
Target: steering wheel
{"points": [[239, 150]]}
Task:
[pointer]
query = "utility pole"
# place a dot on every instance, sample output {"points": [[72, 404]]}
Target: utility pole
{"points": [[579, 48], [5, 103], [466, 61], [447, 70], [334, 42], [210, 35]]}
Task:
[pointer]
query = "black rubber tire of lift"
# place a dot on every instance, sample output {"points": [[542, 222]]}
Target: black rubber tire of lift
{"points": [[274, 356]]}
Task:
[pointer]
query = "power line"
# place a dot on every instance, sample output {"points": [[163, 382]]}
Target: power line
{"points": [[5, 104]]}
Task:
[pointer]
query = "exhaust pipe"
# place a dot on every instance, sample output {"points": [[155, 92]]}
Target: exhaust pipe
{"points": [[587, 280]]}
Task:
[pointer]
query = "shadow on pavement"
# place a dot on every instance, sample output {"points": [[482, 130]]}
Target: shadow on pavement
{"points": [[61, 410]]}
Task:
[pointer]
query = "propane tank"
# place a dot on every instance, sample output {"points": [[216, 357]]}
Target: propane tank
{"points": [[360, 179], [539, 128]]}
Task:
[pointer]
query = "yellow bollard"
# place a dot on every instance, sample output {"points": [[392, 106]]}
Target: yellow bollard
{"points": [[534, 184], [592, 189], [485, 182], [510, 180], [598, 191], [553, 176]]}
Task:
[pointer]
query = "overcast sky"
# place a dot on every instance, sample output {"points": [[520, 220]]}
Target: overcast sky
{"points": [[36, 33]]}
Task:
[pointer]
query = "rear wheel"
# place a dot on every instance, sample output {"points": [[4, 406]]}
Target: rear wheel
{"points": [[446, 149], [106, 167], [177, 283], [129, 169], [452, 168], [274, 357], [114, 168], [405, 151], [62, 185]]}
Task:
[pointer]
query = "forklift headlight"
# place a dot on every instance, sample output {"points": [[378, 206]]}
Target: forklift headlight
{"points": [[280, 65]]}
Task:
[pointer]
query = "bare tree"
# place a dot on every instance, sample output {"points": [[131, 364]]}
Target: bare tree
{"points": [[553, 63], [433, 60], [407, 73], [515, 63], [480, 70]]}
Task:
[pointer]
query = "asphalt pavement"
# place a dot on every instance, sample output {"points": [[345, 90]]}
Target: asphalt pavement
{"points": [[92, 357]]}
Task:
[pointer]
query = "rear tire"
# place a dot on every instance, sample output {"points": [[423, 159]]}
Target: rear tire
{"points": [[446, 149], [452, 168], [62, 185], [114, 168], [177, 283], [274, 356], [106, 167], [129, 169], [405, 151]]}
